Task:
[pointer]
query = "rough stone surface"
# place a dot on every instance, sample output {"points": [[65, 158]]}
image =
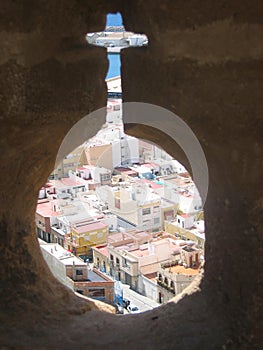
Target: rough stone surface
{"points": [[204, 63]]}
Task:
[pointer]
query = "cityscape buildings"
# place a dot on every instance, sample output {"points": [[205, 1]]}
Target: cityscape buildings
{"points": [[130, 211]]}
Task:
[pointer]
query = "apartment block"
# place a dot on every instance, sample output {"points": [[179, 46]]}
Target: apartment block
{"points": [[75, 274], [83, 236]]}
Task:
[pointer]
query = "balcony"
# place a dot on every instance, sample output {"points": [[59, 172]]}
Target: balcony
{"points": [[126, 266], [169, 264], [166, 286]]}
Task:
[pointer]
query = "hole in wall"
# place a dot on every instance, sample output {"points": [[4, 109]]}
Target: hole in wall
{"points": [[120, 211]]}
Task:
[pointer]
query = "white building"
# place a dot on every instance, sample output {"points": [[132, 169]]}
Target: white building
{"points": [[135, 203], [114, 111], [182, 191], [111, 148]]}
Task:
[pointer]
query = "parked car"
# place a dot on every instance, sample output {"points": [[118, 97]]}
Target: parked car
{"points": [[125, 303], [133, 309]]}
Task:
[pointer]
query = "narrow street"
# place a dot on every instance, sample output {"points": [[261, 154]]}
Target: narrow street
{"points": [[143, 303]]}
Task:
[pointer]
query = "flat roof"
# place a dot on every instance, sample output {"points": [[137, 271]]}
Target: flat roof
{"points": [[45, 209], [58, 230], [62, 254], [140, 253], [103, 249], [150, 165], [94, 277], [89, 227], [151, 276], [151, 184], [68, 182], [183, 270], [126, 170]]}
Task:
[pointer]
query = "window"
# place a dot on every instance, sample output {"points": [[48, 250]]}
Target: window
{"points": [[169, 215], [79, 272], [146, 211], [117, 203], [156, 221], [97, 293], [125, 264], [172, 288], [105, 177]]}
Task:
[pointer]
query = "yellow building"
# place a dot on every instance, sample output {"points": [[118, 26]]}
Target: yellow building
{"points": [[101, 259], [83, 236], [100, 155], [70, 163], [196, 235]]}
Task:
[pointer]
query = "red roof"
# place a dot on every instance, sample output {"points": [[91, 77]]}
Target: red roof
{"points": [[150, 165], [184, 215], [70, 182], [45, 209], [151, 276], [103, 249], [81, 168], [152, 184]]}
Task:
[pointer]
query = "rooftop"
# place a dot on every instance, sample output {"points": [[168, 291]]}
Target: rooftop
{"points": [[95, 277], [183, 270], [89, 227], [127, 171], [66, 182], [62, 254], [103, 249], [151, 184], [150, 165], [45, 209], [140, 252], [151, 276]]}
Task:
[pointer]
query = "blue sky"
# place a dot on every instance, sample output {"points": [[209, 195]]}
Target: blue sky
{"points": [[114, 19]]}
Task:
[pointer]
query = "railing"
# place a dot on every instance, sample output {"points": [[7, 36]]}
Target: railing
{"points": [[166, 286], [169, 264], [126, 266]]}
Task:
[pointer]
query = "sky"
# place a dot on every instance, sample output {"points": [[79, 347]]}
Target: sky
{"points": [[114, 19]]}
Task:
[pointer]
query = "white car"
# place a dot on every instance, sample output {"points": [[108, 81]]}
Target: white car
{"points": [[133, 309]]}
